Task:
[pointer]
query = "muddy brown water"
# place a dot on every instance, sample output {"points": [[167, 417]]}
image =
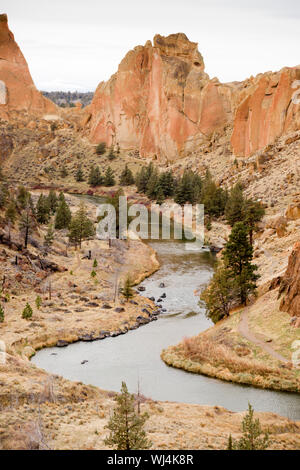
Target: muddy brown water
{"points": [[136, 356]]}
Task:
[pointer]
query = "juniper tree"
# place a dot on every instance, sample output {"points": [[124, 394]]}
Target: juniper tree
{"points": [[101, 148], [111, 156], [52, 201], [81, 227], [253, 213], [126, 426], [4, 195], [127, 290], [219, 295], [64, 172], [253, 437], [126, 178], [27, 312], [160, 197], [23, 198], [63, 215], [237, 257], [26, 224], [38, 302], [109, 179], [79, 175], [234, 210], [42, 209], [95, 178], [49, 237], [1, 314], [11, 215]]}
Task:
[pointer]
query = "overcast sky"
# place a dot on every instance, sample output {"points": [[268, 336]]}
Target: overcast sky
{"points": [[75, 44]]}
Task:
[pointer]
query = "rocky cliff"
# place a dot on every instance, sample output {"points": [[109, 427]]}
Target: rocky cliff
{"points": [[17, 90], [162, 104], [290, 284]]}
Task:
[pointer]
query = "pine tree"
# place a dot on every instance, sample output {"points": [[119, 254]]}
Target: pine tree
{"points": [[4, 195], [126, 426], [111, 156], [142, 180], [11, 213], [1, 314], [81, 227], [23, 197], [127, 290], [253, 213], [38, 302], [27, 312], [42, 209], [95, 263], [234, 210], [64, 172], [61, 197], [2, 177], [26, 224], [52, 201], [95, 177], [237, 256], [219, 295], [49, 237], [79, 175], [152, 185], [109, 179], [101, 148], [160, 197], [253, 437], [63, 215], [126, 178]]}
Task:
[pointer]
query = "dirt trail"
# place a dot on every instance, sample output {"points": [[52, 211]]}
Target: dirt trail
{"points": [[244, 330]]}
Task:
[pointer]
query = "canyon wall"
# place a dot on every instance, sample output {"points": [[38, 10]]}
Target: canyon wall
{"points": [[17, 90], [290, 284], [162, 104]]}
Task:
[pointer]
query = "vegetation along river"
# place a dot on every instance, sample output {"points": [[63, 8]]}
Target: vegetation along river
{"points": [[136, 356]]}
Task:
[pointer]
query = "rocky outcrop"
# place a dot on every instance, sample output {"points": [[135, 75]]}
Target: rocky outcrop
{"points": [[17, 90], [265, 111], [290, 284], [160, 103]]}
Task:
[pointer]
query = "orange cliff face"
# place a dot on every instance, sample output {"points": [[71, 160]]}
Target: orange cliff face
{"points": [[266, 111], [17, 90], [160, 102]]}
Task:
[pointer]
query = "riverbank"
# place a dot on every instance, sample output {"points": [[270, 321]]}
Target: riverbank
{"points": [[225, 353]]}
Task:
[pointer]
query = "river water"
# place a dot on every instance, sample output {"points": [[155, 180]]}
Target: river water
{"points": [[136, 356]]}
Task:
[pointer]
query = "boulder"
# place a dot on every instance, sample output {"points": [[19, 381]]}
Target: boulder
{"points": [[290, 284]]}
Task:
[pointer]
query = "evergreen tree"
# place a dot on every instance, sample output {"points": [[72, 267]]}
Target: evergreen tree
{"points": [[219, 295], [160, 197], [142, 180], [26, 224], [42, 210], [234, 210], [152, 185], [38, 302], [64, 172], [81, 227], [4, 195], [95, 263], [1, 314], [126, 178], [127, 290], [27, 312], [49, 237], [111, 156], [253, 213], [213, 198], [2, 177], [95, 177], [63, 215], [109, 179], [125, 426], [61, 197], [52, 201], [23, 197], [185, 190], [11, 213], [101, 148], [79, 175], [253, 437], [237, 256]]}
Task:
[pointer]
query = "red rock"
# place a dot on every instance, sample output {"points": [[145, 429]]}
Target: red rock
{"points": [[17, 90], [160, 102], [290, 284]]}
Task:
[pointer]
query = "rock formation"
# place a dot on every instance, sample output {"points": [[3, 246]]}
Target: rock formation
{"points": [[17, 90], [290, 284], [160, 102], [266, 111]]}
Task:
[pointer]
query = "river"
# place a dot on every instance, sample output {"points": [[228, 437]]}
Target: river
{"points": [[136, 356]]}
